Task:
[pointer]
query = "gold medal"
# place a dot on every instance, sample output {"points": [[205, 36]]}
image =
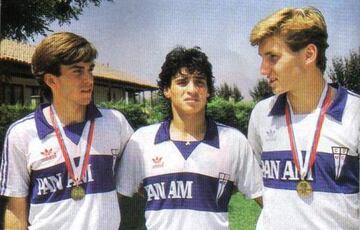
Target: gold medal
{"points": [[304, 188], [77, 193]]}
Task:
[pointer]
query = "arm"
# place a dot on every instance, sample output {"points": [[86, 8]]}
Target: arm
{"points": [[259, 201], [16, 215]]}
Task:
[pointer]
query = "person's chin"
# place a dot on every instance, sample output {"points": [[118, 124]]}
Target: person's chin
{"points": [[85, 101]]}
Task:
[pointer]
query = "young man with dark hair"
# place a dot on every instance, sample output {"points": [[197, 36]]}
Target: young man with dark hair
{"points": [[59, 160], [188, 166], [308, 134]]}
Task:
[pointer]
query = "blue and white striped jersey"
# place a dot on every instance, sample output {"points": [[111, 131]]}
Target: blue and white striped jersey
{"points": [[33, 166], [334, 177], [188, 185]]}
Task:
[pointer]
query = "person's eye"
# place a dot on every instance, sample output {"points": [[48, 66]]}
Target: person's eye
{"points": [[200, 83], [181, 82], [77, 71], [273, 58]]}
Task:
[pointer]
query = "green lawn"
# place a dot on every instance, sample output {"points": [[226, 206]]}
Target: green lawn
{"points": [[243, 214]]}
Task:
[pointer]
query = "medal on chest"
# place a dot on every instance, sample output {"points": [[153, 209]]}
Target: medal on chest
{"points": [[304, 188], [75, 173]]}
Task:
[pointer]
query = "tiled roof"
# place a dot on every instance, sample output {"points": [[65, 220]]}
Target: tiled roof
{"points": [[16, 51], [22, 53]]}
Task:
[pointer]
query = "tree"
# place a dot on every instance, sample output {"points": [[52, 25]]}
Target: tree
{"points": [[237, 94], [226, 92], [346, 71], [261, 91], [23, 19]]}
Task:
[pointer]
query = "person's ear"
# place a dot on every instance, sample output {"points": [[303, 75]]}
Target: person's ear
{"points": [[167, 93], [311, 53], [49, 80]]}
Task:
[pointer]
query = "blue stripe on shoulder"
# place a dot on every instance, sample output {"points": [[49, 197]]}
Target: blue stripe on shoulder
{"points": [[4, 159]]}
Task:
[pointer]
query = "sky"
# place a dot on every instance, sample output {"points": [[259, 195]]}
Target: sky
{"points": [[135, 36]]}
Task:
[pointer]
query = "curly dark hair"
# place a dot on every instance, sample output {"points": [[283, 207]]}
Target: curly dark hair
{"points": [[193, 59]]}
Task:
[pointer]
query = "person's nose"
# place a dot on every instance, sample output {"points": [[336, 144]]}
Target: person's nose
{"points": [[88, 77], [265, 68], [191, 87]]}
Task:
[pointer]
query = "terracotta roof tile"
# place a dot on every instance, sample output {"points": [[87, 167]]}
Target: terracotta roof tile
{"points": [[22, 53], [16, 51]]}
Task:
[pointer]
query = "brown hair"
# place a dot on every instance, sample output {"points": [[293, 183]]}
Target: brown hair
{"points": [[63, 48], [298, 27]]}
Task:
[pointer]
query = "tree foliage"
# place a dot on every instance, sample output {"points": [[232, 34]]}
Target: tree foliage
{"points": [[226, 92], [23, 19], [261, 91], [346, 71]]}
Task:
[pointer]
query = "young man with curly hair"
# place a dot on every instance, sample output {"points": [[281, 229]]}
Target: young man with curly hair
{"points": [[188, 166]]}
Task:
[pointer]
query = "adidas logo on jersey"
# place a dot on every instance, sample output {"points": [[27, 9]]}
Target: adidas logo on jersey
{"points": [[339, 158], [48, 154], [158, 163], [270, 135]]}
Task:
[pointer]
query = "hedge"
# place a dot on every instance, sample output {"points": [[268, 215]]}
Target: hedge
{"points": [[235, 114]]}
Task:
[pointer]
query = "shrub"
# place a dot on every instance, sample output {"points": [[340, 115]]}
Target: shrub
{"points": [[222, 111], [8, 115], [135, 113], [234, 114], [243, 111]]}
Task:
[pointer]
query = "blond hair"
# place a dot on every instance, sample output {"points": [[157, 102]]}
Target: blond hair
{"points": [[62, 48], [298, 27]]}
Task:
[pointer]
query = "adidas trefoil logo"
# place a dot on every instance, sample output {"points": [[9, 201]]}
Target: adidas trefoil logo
{"points": [[158, 162], [48, 154], [270, 135]]}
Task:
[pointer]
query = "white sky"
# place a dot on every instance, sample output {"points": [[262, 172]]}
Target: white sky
{"points": [[135, 36]]}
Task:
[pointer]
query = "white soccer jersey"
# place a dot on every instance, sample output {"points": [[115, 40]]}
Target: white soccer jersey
{"points": [[33, 166], [188, 186], [334, 177]]}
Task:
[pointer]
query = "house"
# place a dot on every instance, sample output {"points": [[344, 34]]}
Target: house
{"points": [[19, 86]]}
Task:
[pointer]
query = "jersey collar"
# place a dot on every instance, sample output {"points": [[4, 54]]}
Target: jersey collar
{"points": [[211, 136], [44, 128], [335, 110]]}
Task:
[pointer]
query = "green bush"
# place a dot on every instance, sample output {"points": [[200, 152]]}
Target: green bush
{"points": [[243, 111], [223, 111], [135, 113], [234, 114], [8, 115]]}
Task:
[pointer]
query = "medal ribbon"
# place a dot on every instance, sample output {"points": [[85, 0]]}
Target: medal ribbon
{"points": [[297, 154], [69, 162]]}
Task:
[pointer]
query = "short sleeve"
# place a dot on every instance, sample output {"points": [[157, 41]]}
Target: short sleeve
{"points": [[253, 135], [248, 172], [125, 130], [129, 172], [14, 175]]}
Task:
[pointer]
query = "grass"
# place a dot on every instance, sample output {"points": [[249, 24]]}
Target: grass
{"points": [[243, 213]]}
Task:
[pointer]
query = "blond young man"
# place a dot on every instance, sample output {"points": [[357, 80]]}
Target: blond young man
{"points": [[59, 160], [307, 135]]}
